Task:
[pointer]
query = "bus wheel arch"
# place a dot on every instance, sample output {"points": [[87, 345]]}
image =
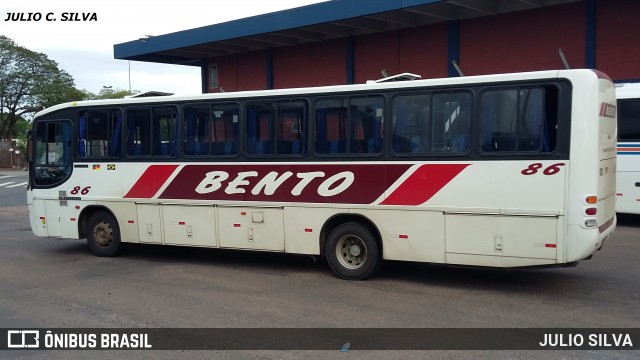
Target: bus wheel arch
{"points": [[83, 218], [352, 246], [102, 230]]}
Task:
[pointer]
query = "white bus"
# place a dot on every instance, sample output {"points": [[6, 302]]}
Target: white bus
{"points": [[628, 178], [508, 170]]}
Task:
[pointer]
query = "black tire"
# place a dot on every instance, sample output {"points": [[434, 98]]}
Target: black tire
{"points": [[352, 251], [103, 235]]}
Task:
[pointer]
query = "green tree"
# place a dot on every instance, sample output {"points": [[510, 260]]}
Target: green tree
{"points": [[107, 92], [29, 82], [20, 135], [21, 127]]}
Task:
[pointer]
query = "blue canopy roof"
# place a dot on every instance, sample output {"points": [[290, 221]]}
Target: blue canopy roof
{"points": [[317, 22]]}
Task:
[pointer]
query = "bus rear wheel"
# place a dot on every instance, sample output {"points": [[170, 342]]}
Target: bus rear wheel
{"points": [[352, 251], [103, 236]]}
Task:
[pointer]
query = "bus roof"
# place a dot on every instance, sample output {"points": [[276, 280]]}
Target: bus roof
{"points": [[324, 89], [628, 90]]}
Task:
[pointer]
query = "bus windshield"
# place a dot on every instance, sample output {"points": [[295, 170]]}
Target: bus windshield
{"points": [[52, 152]]}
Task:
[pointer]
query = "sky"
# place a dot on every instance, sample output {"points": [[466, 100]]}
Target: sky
{"points": [[84, 49]]}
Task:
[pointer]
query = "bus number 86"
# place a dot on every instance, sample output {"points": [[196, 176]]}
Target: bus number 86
{"points": [[77, 190], [549, 170]]}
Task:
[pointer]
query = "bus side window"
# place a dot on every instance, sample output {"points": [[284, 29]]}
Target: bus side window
{"points": [[629, 120], [498, 120], [451, 125], [138, 132], [530, 131], [99, 133], [224, 129], [218, 135], [196, 139], [164, 131], [365, 125], [291, 119], [411, 124], [114, 145], [231, 127], [330, 126], [518, 120], [349, 126], [260, 122], [335, 131]]}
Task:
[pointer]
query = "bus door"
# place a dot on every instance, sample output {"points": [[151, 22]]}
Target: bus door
{"points": [[51, 166]]}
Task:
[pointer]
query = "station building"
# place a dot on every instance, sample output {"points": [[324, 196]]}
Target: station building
{"points": [[352, 41]]}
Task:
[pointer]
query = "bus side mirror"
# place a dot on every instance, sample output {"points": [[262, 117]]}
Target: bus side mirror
{"points": [[29, 145]]}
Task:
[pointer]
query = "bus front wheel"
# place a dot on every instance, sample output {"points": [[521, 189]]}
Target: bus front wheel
{"points": [[352, 251], [103, 236]]}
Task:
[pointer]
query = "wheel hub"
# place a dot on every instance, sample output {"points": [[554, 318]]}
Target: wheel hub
{"points": [[351, 251], [103, 234]]}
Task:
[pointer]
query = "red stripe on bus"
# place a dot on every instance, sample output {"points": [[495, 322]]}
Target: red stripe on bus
{"points": [[150, 182], [310, 183], [425, 182]]}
